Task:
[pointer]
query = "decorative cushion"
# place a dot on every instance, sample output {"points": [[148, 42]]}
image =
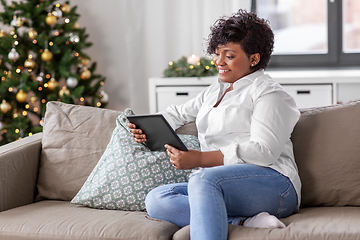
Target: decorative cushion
{"points": [[327, 151], [128, 170], [74, 138]]}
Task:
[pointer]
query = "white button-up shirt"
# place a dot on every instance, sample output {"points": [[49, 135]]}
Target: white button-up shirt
{"points": [[252, 124]]}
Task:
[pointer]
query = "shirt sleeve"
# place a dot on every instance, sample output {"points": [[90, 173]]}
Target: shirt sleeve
{"points": [[274, 117], [178, 115]]}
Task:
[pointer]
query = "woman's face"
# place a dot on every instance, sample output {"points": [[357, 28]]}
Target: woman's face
{"points": [[232, 62]]}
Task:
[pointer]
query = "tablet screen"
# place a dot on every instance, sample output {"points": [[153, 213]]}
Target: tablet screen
{"points": [[158, 132]]}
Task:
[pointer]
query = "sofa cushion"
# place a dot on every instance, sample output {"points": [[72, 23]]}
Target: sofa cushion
{"points": [[327, 151], [128, 170], [61, 220], [320, 223], [74, 138]]}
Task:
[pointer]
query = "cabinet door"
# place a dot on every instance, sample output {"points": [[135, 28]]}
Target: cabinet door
{"points": [[307, 96], [175, 95]]}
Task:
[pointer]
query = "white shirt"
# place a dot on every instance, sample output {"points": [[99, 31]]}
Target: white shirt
{"points": [[252, 124]]}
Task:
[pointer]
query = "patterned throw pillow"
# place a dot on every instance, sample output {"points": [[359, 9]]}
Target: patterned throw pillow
{"points": [[128, 170]]}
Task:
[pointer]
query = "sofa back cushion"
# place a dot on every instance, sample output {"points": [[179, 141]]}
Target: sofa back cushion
{"points": [[327, 151], [74, 138]]}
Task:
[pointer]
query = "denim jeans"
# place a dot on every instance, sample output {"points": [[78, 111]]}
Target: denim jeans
{"points": [[214, 196]]}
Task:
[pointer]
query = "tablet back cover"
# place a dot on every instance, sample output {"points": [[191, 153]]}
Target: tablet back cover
{"points": [[158, 132]]}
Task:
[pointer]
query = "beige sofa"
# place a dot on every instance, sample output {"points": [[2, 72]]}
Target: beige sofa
{"points": [[35, 194]]}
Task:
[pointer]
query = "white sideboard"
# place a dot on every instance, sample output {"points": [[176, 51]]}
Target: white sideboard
{"points": [[309, 88]]}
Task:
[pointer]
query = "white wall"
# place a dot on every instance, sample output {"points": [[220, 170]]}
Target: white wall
{"points": [[134, 40]]}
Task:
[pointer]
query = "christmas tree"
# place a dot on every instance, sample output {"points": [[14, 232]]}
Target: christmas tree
{"points": [[42, 59]]}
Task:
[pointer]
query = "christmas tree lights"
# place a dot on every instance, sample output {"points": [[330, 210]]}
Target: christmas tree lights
{"points": [[42, 59]]}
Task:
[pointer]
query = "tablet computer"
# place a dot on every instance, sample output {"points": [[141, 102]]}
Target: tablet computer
{"points": [[158, 132]]}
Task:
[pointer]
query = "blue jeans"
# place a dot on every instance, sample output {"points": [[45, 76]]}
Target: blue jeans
{"points": [[214, 195]]}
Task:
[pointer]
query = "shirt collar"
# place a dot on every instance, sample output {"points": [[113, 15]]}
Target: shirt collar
{"points": [[248, 79]]}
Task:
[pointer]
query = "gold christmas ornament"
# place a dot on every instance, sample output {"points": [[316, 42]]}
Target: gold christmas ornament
{"points": [[21, 96], [46, 55], [65, 8], [2, 33], [32, 33], [5, 106], [86, 74], [50, 19], [29, 63], [85, 61], [52, 84], [19, 22], [64, 91], [76, 25]]}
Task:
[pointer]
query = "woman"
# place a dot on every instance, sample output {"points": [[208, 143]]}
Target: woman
{"points": [[244, 120]]}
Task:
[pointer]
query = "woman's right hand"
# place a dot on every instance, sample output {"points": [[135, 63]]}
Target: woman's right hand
{"points": [[137, 133]]}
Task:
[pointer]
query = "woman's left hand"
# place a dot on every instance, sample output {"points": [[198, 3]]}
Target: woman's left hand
{"points": [[183, 159], [194, 158]]}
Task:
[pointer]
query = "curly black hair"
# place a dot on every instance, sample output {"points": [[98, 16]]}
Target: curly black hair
{"points": [[245, 28]]}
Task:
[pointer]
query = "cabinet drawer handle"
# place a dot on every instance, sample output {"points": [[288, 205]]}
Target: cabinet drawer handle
{"points": [[303, 92], [182, 94]]}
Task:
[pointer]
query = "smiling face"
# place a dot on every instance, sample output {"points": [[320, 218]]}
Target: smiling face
{"points": [[233, 63]]}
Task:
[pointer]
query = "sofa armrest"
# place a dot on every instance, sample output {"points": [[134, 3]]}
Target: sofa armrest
{"points": [[19, 164]]}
